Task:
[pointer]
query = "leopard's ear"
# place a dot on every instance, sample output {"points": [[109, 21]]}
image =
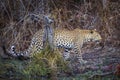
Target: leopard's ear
{"points": [[95, 30]]}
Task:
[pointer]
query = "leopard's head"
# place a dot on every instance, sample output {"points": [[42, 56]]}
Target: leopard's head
{"points": [[93, 35]]}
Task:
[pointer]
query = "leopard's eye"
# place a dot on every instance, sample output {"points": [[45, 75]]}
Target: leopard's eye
{"points": [[91, 32]]}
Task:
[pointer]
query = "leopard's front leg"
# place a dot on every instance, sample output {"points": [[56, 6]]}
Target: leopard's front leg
{"points": [[80, 59], [79, 56]]}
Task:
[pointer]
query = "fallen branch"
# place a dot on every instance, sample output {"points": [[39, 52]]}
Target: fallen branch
{"points": [[101, 75]]}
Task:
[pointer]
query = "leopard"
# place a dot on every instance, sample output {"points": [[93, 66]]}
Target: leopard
{"points": [[67, 39]]}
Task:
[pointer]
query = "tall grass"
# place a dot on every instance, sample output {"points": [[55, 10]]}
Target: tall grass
{"points": [[20, 19], [18, 25]]}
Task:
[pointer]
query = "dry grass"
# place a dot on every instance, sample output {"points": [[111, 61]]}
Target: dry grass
{"points": [[19, 20]]}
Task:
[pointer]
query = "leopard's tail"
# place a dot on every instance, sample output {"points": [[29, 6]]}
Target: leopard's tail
{"points": [[12, 53]]}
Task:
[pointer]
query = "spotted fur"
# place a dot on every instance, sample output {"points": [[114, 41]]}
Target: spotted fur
{"points": [[73, 39]]}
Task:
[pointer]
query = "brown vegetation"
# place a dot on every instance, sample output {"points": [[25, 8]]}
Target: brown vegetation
{"points": [[20, 19]]}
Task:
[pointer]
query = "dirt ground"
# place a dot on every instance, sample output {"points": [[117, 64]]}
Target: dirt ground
{"points": [[104, 59]]}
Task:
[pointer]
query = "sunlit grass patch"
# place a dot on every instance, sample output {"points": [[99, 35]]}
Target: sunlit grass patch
{"points": [[47, 63]]}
